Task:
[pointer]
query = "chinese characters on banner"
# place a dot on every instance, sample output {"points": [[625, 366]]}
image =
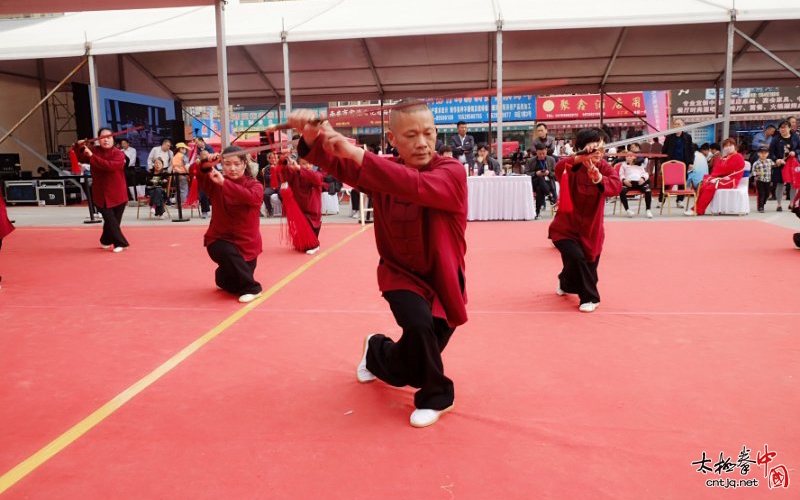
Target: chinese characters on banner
{"points": [[744, 100], [476, 109], [583, 106]]}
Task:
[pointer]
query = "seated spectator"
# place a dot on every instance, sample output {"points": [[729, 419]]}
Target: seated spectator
{"points": [[484, 160], [157, 181], [270, 184], [635, 177], [697, 170], [541, 168], [446, 150]]}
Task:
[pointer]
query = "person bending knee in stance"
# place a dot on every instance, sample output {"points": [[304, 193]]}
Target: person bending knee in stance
{"points": [[233, 239], [577, 229], [420, 204]]}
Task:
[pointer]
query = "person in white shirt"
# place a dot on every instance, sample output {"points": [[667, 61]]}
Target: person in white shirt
{"points": [[130, 153], [164, 152], [635, 177]]}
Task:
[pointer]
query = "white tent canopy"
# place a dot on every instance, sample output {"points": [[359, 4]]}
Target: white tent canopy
{"points": [[356, 49]]}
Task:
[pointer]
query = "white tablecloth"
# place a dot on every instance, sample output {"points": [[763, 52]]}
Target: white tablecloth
{"points": [[500, 198]]}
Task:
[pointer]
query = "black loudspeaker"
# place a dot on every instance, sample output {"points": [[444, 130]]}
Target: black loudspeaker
{"points": [[176, 131]]}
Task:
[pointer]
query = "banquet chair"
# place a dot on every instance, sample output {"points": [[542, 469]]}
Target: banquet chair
{"points": [[673, 173], [733, 201]]}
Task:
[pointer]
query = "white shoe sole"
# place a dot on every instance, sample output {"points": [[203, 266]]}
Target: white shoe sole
{"points": [[363, 375], [426, 418]]}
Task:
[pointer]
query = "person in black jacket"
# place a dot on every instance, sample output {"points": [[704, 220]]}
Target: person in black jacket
{"points": [[678, 147]]}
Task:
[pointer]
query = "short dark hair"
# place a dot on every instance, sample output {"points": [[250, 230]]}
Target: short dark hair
{"points": [[482, 145], [166, 139], [714, 145], [541, 124], [587, 135], [705, 146], [460, 122], [103, 129], [784, 122], [445, 149], [540, 147]]}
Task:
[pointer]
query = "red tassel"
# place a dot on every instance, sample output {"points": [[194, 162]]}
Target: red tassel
{"points": [[300, 235], [564, 196], [194, 193], [73, 161], [791, 172]]}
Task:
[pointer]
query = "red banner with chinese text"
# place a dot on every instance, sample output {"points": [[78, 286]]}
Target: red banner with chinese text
{"points": [[582, 106], [356, 116]]}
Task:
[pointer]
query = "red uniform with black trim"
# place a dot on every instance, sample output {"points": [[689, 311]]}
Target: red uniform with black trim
{"points": [[584, 223], [108, 176], [728, 171], [419, 230], [306, 186], [5, 224], [236, 213]]}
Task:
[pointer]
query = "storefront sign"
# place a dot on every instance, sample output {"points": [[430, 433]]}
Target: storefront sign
{"points": [[583, 106], [476, 109], [744, 100]]}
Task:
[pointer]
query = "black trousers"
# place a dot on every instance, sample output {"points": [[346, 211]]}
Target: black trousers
{"points": [[541, 188], [268, 192], [205, 206], [637, 186], [234, 274], [112, 232], [578, 276], [415, 359], [763, 193]]}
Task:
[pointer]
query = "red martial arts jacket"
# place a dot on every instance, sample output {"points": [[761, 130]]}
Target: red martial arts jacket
{"points": [[236, 216], [108, 176], [420, 220], [584, 224], [5, 225], [306, 186]]}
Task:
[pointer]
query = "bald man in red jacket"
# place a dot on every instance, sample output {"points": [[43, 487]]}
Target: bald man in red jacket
{"points": [[420, 206]]}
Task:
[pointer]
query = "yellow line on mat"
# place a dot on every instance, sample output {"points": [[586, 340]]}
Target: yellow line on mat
{"points": [[31, 463]]}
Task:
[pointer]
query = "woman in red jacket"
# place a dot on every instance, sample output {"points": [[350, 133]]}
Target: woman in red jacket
{"points": [[109, 189], [577, 229], [728, 171], [306, 185], [233, 239]]}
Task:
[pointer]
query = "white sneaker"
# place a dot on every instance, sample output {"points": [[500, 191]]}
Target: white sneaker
{"points": [[362, 374], [423, 417], [152, 211], [649, 214], [630, 212], [560, 292], [356, 215], [312, 251], [105, 247], [118, 249], [588, 307], [688, 212], [249, 297]]}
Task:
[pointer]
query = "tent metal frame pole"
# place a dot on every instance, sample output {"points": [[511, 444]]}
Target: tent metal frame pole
{"points": [[726, 125], [93, 96], [222, 73], [48, 126], [647, 137], [499, 42], [43, 100], [767, 52], [287, 80]]}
